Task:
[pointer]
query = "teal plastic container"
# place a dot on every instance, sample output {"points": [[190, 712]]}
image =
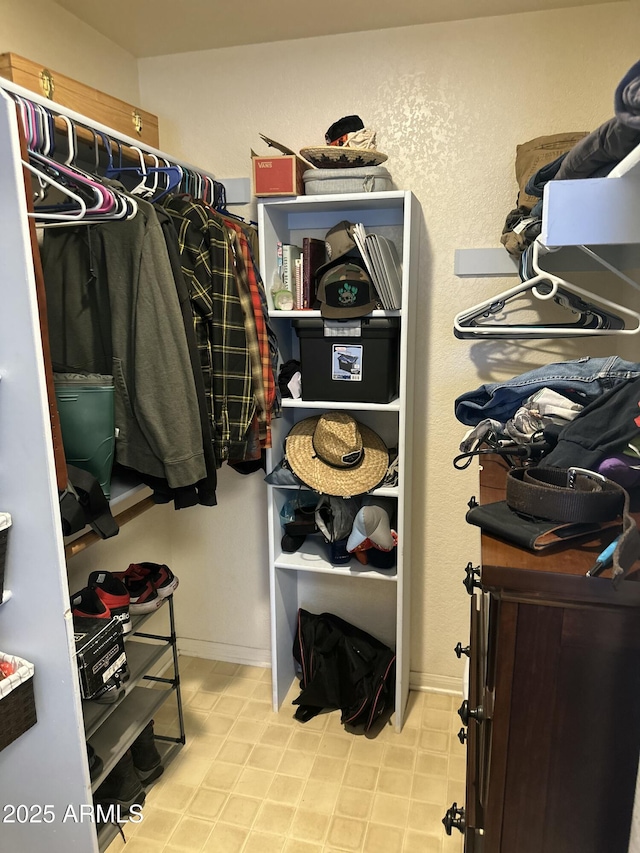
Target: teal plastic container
{"points": [[87, 421]]}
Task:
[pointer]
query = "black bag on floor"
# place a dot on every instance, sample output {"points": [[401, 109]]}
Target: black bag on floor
{"points": [[342, 668]]}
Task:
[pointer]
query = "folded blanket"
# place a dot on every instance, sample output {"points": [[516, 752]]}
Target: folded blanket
{"points": [[627, 97]]}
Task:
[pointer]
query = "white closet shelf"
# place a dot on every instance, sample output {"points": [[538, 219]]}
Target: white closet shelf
{"points": [[314, 559], [125, 486], [592, 212], [393, 406], [497, 263], [238, 190], [309, 314], [6, 595], [317, 204], [383, 491], [484, 263]]}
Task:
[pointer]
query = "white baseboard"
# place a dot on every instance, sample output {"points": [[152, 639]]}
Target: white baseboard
{"points": [[224, 652], [249, 656], [427, 683]]}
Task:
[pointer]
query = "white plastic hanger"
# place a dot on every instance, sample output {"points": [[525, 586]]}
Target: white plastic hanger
{"points": [[57, 217], [545, 286]]}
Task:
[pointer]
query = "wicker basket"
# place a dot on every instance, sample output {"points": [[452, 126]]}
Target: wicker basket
{"points": [[17, 704], [5, 524]]}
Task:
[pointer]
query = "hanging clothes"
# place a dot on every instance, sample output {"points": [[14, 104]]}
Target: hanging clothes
{"points": [[219, 323], [264, 380], [204, 491], [113, 308]]}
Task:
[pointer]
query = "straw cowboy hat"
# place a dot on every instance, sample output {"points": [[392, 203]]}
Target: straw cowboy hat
{"points": [[334, 454]]}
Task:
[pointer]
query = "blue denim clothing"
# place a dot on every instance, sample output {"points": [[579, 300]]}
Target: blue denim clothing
{"points": [[537, 182], [582, 380]]}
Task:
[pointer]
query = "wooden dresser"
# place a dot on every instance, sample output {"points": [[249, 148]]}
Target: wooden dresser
{"points": [[552, 719]]}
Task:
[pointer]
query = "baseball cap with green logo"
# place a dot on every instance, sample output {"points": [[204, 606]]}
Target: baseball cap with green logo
{"points": [[346, 291]]}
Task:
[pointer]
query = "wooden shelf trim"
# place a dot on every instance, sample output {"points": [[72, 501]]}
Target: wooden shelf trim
{"points": [[90, 538]]}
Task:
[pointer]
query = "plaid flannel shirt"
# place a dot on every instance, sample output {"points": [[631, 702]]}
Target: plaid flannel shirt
{"points": [[247, 270], [219, 324]]}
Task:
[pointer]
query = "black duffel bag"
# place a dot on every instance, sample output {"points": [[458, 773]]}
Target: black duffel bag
{"points": [[343, 667]]}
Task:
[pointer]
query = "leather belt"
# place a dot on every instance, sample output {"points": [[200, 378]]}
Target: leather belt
{"points": [[573, 495]]}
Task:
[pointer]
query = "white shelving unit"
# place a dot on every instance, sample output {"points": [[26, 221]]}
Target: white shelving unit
{"points": [[377, 601]]}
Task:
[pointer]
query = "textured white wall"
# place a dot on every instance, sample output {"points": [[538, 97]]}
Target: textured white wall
{"points": [[450, 103], [46, 33]]}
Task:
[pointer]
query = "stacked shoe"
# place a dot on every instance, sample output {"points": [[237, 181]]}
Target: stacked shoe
{"points": [[87, 604], [122, 787], [146, 758], [95, 762], [148, 585], [114, 595]]}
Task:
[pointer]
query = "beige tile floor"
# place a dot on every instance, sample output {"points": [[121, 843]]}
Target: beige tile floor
{"points": [[252, 781]]}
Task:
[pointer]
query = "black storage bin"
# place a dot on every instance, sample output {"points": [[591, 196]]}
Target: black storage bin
{"points": [[350, 369]]}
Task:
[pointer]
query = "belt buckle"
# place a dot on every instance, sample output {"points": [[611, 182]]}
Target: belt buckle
{"points": [[591, 475]]}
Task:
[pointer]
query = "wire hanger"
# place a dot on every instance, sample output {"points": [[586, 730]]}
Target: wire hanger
{"points": [[595, 314], [219, 204]]}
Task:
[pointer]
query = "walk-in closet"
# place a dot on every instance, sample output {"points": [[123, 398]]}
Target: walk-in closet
{"points": [[221, 564]]}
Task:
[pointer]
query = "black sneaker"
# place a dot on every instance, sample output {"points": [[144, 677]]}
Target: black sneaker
{"points": [[146, 758], [114, 595], [143, 596], [87, 604], [95, 763], [122, 787], [160, 575]]}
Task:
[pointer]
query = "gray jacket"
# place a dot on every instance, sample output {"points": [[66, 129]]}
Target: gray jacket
{"points": [[113, 309]]}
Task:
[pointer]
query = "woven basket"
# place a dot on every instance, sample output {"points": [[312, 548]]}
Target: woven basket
{"points": [[5, 524], [17, 704]]}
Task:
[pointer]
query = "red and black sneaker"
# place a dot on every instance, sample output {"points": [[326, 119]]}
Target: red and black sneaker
{"points": [[159, 574], [143, 596], [114, 595], [86, 604]]}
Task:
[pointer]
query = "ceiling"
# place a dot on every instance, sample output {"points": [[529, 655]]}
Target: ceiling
{"points": [[168, 26]]}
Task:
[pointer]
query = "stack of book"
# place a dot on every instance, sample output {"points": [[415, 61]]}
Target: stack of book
{"points": [[297, 266]]}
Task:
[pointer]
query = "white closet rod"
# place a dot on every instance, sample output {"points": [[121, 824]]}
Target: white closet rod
{"points": [[238, 190]]}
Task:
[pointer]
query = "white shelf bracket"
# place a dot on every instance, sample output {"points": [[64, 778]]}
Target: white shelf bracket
{"points": [[599, 259]]}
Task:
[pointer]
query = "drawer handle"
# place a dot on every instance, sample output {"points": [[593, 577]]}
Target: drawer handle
{"points": [[462, 735], [454, 818], [462, 650], [466, 713], [472, 579]]}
